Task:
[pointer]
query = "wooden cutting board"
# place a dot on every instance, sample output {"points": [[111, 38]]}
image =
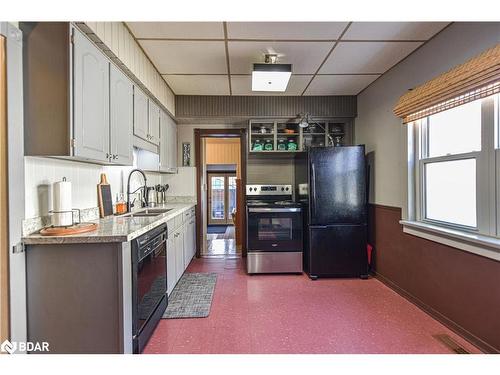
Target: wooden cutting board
{"points": [[66, 231], [104, 197]]}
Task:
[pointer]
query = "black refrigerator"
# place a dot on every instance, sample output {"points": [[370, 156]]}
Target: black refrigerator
{"points": [[331, 184]]}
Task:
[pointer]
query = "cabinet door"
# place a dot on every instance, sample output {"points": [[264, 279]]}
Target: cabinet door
{"points": [[172, 142], [140, 114], [192, 235], [154, 123], [121, 116], [179, 253], [188, 253], [171, 265], [91, 100], [164, 143]]}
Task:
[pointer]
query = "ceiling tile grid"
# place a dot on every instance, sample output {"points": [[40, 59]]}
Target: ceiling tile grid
{"points": [[328, 58], [198, 84]]}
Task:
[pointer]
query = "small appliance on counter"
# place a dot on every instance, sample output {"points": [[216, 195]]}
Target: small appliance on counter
{"points": [[274, 233]]}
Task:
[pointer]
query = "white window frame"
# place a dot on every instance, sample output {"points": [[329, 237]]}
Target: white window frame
{"points": [[485, 238]]}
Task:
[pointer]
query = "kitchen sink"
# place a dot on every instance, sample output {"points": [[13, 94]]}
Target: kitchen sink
{"points": [[148, 212]]}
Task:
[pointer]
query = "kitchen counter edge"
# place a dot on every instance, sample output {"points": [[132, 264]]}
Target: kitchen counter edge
{"points": [[106, 233]]}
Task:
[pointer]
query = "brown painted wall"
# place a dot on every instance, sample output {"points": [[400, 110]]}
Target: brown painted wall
{"points": [[460, 289]]}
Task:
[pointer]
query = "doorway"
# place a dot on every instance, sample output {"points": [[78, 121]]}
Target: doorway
{"points": [[221, 176]]}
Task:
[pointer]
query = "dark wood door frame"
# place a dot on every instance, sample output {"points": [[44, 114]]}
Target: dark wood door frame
{"points": [[240, 133]]}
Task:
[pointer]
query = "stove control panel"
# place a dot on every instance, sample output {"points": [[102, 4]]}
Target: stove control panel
{"points": [[269, 190]]}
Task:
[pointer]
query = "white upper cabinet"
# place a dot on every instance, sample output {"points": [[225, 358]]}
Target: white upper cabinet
{"points": [[168, 144], [141, 114], [154, 123], [172, 145], [90, 100], [121, 117]]}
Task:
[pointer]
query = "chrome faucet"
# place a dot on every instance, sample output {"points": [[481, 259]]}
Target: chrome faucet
{"points": [[144, 190]]}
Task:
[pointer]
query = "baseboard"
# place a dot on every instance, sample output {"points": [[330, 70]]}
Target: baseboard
{"points": [[459, 330]]}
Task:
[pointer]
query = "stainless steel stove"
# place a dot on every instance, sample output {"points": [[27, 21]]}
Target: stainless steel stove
{"points": [[274, 235]]}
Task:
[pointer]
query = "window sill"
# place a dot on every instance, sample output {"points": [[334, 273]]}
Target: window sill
{"points": [[485, 246]]}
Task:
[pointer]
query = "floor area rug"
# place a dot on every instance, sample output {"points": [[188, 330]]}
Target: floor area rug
{"points": [[192, 296], [216, 229]]}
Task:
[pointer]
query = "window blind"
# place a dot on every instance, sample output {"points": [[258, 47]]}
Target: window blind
{"points": [[477, 78]]}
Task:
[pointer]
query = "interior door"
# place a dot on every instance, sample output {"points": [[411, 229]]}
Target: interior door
{"points": [[221, 198]]}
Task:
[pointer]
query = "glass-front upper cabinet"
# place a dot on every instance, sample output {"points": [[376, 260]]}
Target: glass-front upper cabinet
{"points": [[339, 133], [314, 135], [262, 136], [288, 136]]}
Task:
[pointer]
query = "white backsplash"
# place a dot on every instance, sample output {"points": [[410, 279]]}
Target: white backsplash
{"points": [[182, 184], [41, 173]]}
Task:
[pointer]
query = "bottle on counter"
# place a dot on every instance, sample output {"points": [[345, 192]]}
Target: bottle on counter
{"points": [[121, 205]]}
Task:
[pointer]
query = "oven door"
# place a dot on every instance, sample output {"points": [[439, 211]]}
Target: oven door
{"points": [[274, 229]]}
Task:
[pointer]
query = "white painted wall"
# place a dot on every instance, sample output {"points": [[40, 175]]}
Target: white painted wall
{"points": [[381, 131]]}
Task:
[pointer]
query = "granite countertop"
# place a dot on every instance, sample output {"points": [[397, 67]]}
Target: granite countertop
{"points": [[114, 229]]}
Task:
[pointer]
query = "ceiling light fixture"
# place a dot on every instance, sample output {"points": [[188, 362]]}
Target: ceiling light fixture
{"points": [[271, 76]]}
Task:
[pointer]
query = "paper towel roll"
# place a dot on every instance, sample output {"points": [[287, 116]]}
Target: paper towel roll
{"points": [[61, 201]]}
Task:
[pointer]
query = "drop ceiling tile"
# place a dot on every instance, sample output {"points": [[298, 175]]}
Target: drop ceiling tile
{"points": [[198, 84], [305, 57], [242, 85], [366, 57], [177, 57], [393, 30], [285, 30], [180, 30], [339, 85]]}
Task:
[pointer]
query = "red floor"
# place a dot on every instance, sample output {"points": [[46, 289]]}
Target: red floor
{"points": [[292, 314]]}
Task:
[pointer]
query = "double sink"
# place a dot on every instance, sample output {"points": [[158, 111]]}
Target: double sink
{"points": [[148, 212]]}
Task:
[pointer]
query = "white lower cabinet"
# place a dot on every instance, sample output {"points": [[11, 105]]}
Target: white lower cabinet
{"points": [[171, 265], [179, 253], [181, 246]]}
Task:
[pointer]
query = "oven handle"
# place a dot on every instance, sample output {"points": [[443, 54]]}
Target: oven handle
{"points": [[271, 210]]}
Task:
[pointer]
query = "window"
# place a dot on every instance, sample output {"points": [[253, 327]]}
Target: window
{"points": [[454, 158]]}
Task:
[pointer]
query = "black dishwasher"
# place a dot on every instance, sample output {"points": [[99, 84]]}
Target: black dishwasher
{"points": [[149, 284]]}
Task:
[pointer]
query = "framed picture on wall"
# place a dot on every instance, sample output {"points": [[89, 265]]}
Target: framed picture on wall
{"points": [[186, 154]]}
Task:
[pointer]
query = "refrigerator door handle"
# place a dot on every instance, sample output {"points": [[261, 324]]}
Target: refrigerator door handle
{"points": [[313, 193]]}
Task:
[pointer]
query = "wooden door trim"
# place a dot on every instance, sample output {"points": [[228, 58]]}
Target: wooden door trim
{"points": [[240, 133]]}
